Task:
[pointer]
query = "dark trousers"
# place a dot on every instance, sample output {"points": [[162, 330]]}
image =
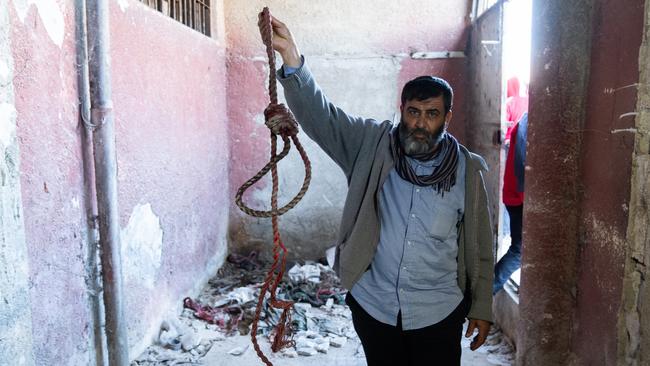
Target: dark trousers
{"points": [[511, 261], [384, 344]]}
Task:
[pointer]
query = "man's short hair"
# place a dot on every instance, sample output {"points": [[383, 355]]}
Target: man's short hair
{"points": [[425, 87]]}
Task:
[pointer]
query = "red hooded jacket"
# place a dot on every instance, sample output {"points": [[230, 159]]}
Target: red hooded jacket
{"points": [[516, 105]]}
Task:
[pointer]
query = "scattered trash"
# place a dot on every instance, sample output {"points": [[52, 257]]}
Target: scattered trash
{"points": [[338, 341], [168, 337], [238, 351], [226, 307], [321, 322], [248, 262], [306, 273], [289, 352]]}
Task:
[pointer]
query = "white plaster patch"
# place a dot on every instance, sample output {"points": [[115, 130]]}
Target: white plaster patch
{"points": [[124, 4], [75, 202], [142, 246], [50, 14], [7, 123], [259, 119], [4, 71]]}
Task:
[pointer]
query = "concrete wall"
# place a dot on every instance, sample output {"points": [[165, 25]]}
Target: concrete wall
{"points": [[634, 316], [15, 316], [606, 164], [359, 52], [43, 48], [583, 85], [506, 314], [171, 134], [485, 93]]}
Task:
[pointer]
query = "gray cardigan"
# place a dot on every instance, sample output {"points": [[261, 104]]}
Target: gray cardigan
{"points": [[361, 147]]}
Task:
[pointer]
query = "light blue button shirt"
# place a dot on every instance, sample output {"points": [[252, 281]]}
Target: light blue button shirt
{"points": [[414, 267]]}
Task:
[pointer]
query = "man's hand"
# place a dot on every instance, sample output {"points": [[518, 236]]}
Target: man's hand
{"points": [[284, 43], [483, 328]]}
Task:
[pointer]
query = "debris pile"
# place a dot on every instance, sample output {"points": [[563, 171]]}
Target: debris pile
{"points": [[320, 318]]}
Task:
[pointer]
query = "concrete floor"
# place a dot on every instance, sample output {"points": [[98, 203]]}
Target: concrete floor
{"points": [[495, 352]]}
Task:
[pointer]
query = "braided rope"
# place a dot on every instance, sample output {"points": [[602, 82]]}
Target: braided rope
{"points": [[280, 121]]}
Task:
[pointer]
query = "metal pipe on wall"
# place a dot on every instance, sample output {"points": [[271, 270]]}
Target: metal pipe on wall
{"points": [[93, 280], [102, 122]]}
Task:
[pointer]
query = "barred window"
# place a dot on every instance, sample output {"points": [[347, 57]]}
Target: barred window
{"points": [[481, 6], [193, 13]]}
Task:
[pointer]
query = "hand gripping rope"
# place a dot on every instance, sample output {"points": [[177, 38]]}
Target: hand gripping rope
{"points": [[281, 122]]}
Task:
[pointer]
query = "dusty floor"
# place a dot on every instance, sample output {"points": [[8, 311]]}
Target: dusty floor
{"points": [[217, 332], [495, 352]]}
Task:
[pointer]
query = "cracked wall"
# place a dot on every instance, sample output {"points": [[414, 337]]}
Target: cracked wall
{"points": [[634, 316]]}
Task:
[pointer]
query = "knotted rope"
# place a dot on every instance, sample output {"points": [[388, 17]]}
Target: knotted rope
{"points": [[281, 122]]}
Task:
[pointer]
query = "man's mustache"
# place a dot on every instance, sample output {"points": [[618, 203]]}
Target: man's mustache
{"points": [[418, 130]]}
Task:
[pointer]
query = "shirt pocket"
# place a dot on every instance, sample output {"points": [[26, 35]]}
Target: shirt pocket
{"points": [[444, 222]]}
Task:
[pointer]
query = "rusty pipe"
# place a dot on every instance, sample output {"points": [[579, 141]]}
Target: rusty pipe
{"points": [[92, 279], [102, 123]]}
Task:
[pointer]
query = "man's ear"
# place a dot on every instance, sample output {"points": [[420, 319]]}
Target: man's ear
{"points": [[448, 118], [401, 108]]}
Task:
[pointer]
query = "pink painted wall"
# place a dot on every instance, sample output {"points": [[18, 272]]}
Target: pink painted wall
{"points": [[51, 180], [172, 133], [172, 149]]}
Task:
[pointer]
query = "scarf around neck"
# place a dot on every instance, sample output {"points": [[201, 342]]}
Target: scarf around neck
{"points": [[443, 176]]}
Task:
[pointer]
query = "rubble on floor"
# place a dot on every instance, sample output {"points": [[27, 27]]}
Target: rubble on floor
{"points": [[214, 328], [226, 307]]}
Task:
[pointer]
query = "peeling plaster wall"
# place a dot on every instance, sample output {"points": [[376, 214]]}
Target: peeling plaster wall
{"points": [[15, 313], [172, 150], [634, 316], [359, 53], [42, 45], [605, 173]]}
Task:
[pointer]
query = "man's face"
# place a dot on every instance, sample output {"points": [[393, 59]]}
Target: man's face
{"points": [[423, 125]]}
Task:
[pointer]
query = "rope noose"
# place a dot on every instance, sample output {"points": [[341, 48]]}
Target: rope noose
{"points": [[281, 122]]}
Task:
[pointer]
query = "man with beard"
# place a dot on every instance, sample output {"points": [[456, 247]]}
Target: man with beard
{"points": [[415, 242]]}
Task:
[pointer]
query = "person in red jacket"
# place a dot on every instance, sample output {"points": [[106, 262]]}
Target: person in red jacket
{"points": [[516, 106]]}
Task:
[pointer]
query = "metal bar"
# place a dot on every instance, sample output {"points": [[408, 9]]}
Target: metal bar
{"points": [[207, 22], [192, 14], [106, 180], [436, 55], [200, 10], [186, 17]]}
